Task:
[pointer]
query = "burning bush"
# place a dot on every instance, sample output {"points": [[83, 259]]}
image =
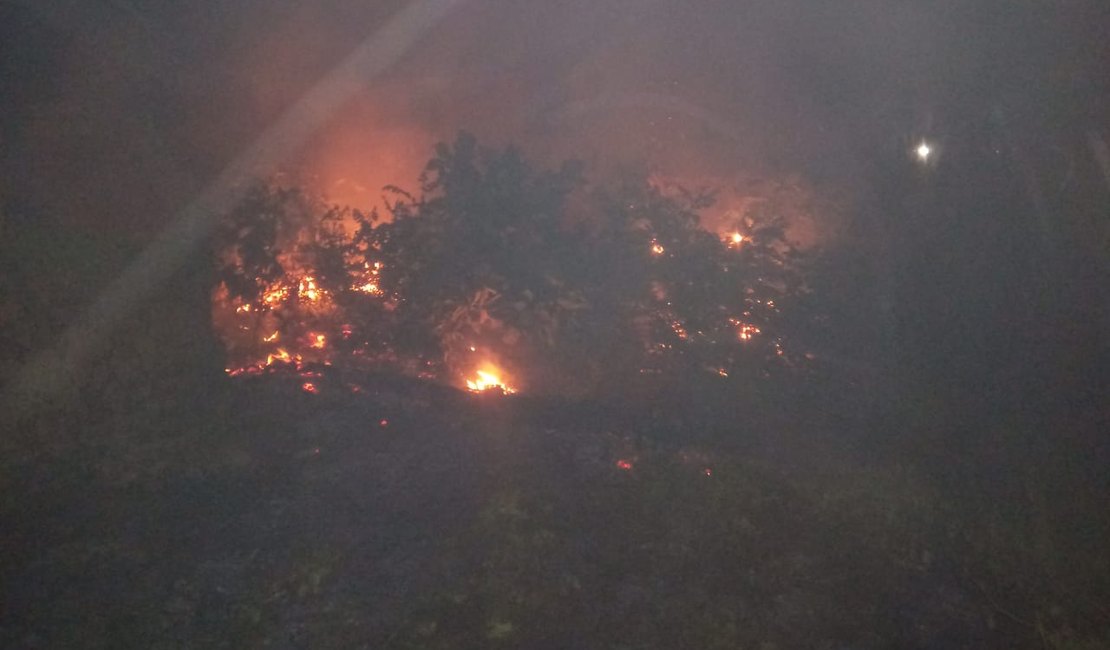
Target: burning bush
{"points": [[535, 278]]}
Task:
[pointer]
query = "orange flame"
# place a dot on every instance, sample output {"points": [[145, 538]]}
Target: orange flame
{"points": [[488, 380]]}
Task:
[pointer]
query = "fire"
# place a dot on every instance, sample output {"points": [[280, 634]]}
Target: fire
{"points": [[275, 295], [271, 338], [488, 380], [737, 238], [369, 282], [309, 387], [308, 290], [624, 464], [317, 341], [657, 248], [745, 331]]}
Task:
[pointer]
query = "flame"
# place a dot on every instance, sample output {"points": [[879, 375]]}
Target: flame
{"points": [[737, 238], [274, 296], [370, 288], [657, 248], [624, 464], [318, 341], [488, 380], [745, 331], [271, 338], [308, 290], [369, 282], [309, 387]]}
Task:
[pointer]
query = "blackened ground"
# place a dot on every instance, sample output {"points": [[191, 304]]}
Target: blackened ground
{"points": [[386, 513]]}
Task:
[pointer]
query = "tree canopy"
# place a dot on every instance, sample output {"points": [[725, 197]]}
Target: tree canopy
{"points": [[562, 282]]}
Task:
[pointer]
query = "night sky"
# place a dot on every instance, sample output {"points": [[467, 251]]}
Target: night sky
{"points": [[159, 97]]}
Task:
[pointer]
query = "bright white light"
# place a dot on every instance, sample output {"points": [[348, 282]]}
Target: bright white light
{"points": [[924, 151]]}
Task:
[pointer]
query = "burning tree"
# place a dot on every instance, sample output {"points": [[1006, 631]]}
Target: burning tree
{"points": [[498, 269]]}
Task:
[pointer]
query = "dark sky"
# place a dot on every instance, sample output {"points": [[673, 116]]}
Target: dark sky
{"points": [[116, 112]]}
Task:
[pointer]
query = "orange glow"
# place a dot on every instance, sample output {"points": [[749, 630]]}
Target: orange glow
{"points": [[271, 338], [737, 238], [307, 289], [657, 248], [626, 465], [488, 380], [318, 341], [309, 387], [744, 331], [275, 295]]}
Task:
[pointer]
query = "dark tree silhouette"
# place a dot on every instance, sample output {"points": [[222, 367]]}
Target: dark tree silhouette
{"points": [[565, 283]]}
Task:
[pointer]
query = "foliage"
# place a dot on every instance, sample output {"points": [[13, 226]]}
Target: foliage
{"points": [[565, 283]]}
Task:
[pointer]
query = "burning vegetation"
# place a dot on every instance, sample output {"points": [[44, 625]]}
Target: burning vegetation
{"points": [[498, 276]]}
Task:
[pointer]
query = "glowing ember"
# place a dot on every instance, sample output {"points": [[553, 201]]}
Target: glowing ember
{"points": [[626, 465], [488, 380], [271, 338], [746, 332], [275, 295], [308, 290], [281, 356], [309, 387], [707, 471], [317, 341], [383, 422], [657, 248], [736, 239]]}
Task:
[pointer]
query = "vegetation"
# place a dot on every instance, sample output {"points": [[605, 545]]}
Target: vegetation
{"points": [[780, 509], [569, 285]]}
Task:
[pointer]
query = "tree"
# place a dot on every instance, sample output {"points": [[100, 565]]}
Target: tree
{"points": [[561, 283]]}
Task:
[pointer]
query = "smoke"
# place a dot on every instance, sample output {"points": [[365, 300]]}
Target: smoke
{"points": [[137, 107]]}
